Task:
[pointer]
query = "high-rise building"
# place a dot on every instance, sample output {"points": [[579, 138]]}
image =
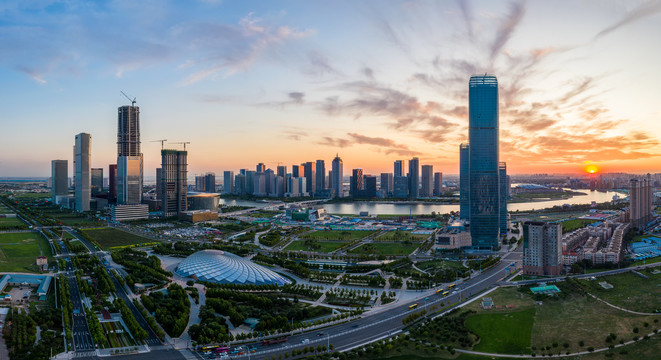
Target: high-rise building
{"points": [[97, 180], [309, 174], [483, 154], [60, 179], [399, 168], [81, 164], [228, 182], [438, 184], [282, 171], [260, 168], [210, 182], [129, 180], [296, 171], [387, 183], [175, 190], [239, 184], [250, 182], [320, 181], [640, 201], [159, 183], [427, 189], [502, 214], [370, 187], [199, 183], [112, 183], [129, 158], [259, 184], [414, 178], [337, 168], [356, 183], [542, 248], [400, 187], [464, 181]]}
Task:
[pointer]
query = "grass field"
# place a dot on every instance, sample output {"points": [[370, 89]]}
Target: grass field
{"points": [[5, 210], [71, 219], [573, 224], [401, 236], [630, 291], [19, 251], [385, 248], [440, 264], [324, 246], [345, 235], [109, 237], [493, 338], [11, 222]]}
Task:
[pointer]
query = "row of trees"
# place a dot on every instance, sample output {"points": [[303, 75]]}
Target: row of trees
{"points": [[138, 332], [171, 310]]}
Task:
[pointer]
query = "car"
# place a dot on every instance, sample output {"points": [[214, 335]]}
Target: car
{"points": [[305, 341], [321, 334], [355, 326]]}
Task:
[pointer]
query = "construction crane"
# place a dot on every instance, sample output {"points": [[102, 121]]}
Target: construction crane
{"points": [[183, 142], [126, 96], [162, 141]]}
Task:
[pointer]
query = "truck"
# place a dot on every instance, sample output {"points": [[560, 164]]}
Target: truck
{"points": [[274, 341]]}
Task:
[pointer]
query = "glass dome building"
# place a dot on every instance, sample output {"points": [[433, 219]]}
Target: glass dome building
{"points": [[226, 268]]}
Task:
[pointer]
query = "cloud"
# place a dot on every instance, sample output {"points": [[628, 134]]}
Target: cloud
{"points": [[293, 98], [335, 142], [507, 27], [297, 97], [318, 65], [645, 10], [32, 73], [295, 134], [467, 15]]}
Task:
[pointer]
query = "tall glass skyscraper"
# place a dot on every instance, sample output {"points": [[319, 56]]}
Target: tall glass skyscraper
{"points": [[129, 158], [81, 165], [336, 181], [414, 178], [464, 181], [483, 154], [502, 181]]}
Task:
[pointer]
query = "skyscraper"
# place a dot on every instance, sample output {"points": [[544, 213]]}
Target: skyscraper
{"points": [[129, 158], [640, 201], [228, 182], [309, 174], [174, 179], [60, 179], [97, 180], [337, 168], [542, 248], [400, 187], [296, 171], [260, 168], [357, 183], [464, 181], [159, 183], [399, 168], [282, 171], [81, 165], [502, 181], [438, 184], [483, 140], [210, 182], [112, 183], [320, 181], [240, 184], [387, 183], [427, 181], [414, 178]]}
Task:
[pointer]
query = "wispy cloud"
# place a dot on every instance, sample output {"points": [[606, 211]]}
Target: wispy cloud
{"points": [[507, 27], [646, 9]]}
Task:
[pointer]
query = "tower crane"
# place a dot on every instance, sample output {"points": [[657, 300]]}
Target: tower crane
{"points": [[162, 141], [183, 142], [126, 96]]}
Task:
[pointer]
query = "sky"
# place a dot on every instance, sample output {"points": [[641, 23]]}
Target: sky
{"points": [[286, 82]]}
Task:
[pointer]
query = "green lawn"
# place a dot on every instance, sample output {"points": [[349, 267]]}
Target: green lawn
{"points": [[440, 264], [324, 246], [109, 237], [402, 236], [346, 235], [5, 210], [11, 222], [503, 332], [385, 248], [630, 291], [19, 251], [573, 224]]}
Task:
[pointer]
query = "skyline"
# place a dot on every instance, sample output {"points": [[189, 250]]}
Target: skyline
{"points": [[272, 78]]}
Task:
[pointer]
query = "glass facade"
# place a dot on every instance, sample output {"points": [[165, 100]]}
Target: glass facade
{"points": [[129, 179], [464, 182], [502, 179], [483, 140], [414, 178]]}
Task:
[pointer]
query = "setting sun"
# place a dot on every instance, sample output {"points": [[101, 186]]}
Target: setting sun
{"points": [[591, 169]]}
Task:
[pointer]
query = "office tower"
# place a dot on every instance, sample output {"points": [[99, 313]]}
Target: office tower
{"points": [[282, 171], [502, 214], [112, 183], [159, 183], [414, 178], [542, 248], [438, 184], [464, 181], [320, 181], [174, 180], [483, 157], [640, 201], [129, 180], [296, 171], [269, 182], [97, 180], [337, 168], [199, 183], [260, 168], [210, 182], [427, 189], [399, 168], [250, 182], [356, 183], [280, 186], [60, 179], [309, 174], [370, 187], [400, 187], [81, 165], [239, 184], [329, 181], [387, 183], [129, 157], [228, 182], [259, 184], [293, 186]]}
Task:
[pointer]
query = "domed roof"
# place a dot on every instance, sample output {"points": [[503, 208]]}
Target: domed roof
{"points": [[223, 267]]}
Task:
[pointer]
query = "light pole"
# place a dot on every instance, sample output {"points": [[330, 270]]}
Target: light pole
{"points": [[328, 341]]}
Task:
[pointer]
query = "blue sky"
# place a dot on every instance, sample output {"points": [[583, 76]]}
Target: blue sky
{"points": [[295, 81]]}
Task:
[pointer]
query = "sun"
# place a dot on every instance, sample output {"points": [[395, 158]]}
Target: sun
{"points": [[591, 169]]}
